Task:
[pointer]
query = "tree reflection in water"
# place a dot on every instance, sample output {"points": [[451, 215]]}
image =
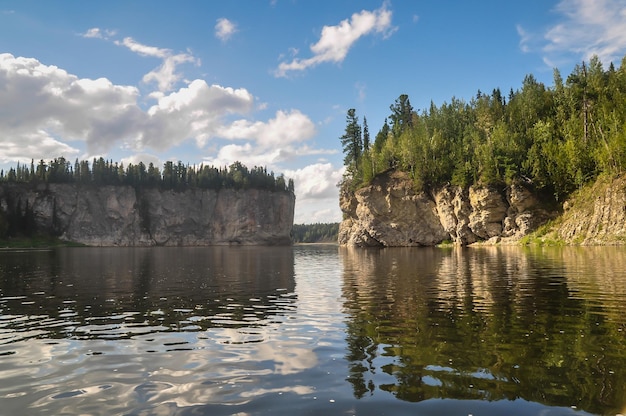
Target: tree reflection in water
{"points": [[543, 325], [119, 293]]}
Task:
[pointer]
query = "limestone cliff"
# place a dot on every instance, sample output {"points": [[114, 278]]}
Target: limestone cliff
{"points": [[595, 215], [390, 213], [125, 216]]}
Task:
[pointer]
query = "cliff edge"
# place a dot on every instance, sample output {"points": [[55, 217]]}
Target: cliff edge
{"points": [[127, 216], [389, 213]]}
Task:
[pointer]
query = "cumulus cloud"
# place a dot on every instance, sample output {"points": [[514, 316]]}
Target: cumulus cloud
{"points": [[44, 108], [196, 111], [317, 193], [33, 145], [225, 29], [336, 41], [166, 74], [585, 28], [44, 103], [285, 128], [251, 155], [48, 112], [146, 158], [317, 181]]}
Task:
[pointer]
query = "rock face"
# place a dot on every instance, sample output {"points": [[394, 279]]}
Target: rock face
{"points": [[124, 216], [390, 213], [596, 215]]}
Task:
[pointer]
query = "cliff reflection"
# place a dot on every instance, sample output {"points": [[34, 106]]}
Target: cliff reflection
{"points": [[488, 324], [114, 293]]}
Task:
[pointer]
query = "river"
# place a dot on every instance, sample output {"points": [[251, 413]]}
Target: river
{"points": [[313, 329]]}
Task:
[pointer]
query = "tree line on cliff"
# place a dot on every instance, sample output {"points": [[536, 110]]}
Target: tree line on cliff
{"points": [[176, 176], [554, 138]]}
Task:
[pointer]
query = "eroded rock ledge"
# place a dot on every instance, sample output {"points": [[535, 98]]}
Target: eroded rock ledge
{"points": [[390, 213], [125, 216]]}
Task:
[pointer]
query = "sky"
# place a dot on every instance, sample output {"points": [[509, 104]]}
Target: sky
{"points": [[267, 82]]}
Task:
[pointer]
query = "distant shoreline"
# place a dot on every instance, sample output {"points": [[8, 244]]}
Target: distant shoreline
{"points": [[318, 243]]}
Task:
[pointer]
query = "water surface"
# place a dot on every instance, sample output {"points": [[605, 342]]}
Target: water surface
{"points": [[313, 330]]}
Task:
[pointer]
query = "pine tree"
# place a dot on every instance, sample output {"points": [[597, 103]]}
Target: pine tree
{"points": [[352, 142], [366, 135]]}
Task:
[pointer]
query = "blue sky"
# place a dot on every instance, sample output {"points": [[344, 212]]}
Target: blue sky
{"points": [[266, 82]]}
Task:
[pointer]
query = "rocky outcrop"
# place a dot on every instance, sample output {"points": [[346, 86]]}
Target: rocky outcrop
{"points": [[125, 216], [595, 215], [389, 212]]}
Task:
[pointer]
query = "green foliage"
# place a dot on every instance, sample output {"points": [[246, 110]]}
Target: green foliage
{"points": [[37, 241], [556, 138], [543, 236], [177, 176], [315, 233], [398, 328], [352, 142], [401, 115], [4, 225]]}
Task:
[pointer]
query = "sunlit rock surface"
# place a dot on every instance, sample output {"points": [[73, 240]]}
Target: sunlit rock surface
{"points": [[125, 216], [390, 213], [595, 215]]}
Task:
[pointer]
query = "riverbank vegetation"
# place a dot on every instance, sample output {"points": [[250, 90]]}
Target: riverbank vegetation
{"points": [[315, 233], [177, 176], [35, 242], [554, 138]]}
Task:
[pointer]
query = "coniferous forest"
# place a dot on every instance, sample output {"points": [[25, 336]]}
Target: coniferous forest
{"points": [[555, 138], [315, 233], [177, 176], [19, 221]]}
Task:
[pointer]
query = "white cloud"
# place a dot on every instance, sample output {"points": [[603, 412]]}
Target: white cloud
{"points": [[251, 155], [48, 112], [93, 33], [336, 41], [524, 39], [225, 29], [45, 108], [317, 194], [585, 28], [33, 145], [317, 181], [285, 128], [146, 158], [360, 91], [196, 111], [166, 74], [98, 33], [143, 50], [45, 103]]}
